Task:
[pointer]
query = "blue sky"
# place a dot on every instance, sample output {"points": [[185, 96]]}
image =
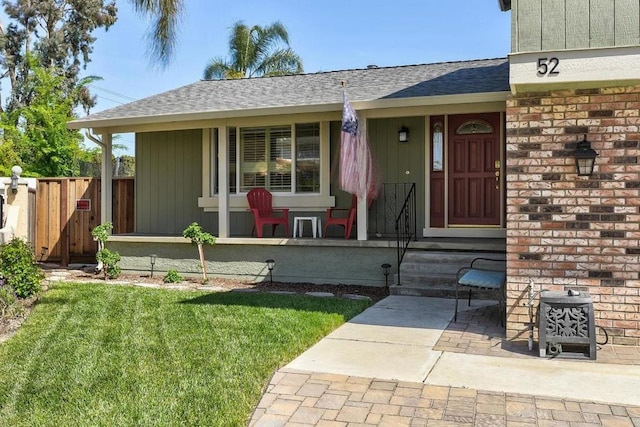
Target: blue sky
{"points": [[327, 34]]}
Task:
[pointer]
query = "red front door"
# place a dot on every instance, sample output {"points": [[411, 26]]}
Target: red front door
{"points": [[474, 170]]}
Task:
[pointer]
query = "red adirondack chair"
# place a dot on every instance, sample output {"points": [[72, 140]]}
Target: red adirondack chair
{"points": [[260, 204], [345, 217]]}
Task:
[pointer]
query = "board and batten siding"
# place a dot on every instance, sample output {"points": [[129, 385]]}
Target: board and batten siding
{"points": [[169, 182], [393, 160], [547, 25]]}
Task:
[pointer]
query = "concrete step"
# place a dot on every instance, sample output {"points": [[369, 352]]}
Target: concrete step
{"points": [[441, 290], [433, 273]]}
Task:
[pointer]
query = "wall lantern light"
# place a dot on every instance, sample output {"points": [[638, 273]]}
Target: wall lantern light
{"points": [[152, 260], [403, 134], [585, 158], [270, 264], [386, 270], [15, 176]]}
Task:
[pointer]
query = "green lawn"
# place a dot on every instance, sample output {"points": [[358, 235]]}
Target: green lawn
{"points": [[96, 354]]}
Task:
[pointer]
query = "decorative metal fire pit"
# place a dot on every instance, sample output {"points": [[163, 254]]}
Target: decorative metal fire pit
{"points": [[567, 327]]}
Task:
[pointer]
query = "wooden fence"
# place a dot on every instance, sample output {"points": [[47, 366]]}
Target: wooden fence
{"points": [[67, 209]]}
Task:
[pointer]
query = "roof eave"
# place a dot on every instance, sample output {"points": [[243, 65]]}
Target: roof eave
{"points": [[129, 124]]}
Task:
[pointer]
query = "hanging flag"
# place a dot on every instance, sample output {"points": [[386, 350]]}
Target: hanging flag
{"points": [[357, 172]]}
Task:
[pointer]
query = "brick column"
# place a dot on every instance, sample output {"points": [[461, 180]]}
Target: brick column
{"points": [[566, 231]]}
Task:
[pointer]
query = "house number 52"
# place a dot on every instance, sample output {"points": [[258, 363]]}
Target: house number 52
{"points": [[548, 66]]}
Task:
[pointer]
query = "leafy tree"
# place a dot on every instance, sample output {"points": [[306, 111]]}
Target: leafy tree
{"points": [[255, 51], [35, 135], [59, 34]]}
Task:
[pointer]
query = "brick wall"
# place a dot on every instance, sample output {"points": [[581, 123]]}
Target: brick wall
{"points": [[565, 231]]}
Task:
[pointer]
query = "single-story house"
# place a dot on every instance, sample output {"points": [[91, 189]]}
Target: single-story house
{"points": [[490, 148]]}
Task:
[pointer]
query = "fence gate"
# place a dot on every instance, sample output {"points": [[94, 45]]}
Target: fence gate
{"points": [[67, 209]]}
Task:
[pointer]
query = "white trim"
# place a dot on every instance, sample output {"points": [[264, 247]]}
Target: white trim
{"points": [[614, 65], [223, 183], [207, 167], [325, 160], [427, 170], [106, 176]]}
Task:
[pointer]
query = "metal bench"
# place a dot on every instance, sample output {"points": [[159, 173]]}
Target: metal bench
{"points": [[483, 274]]}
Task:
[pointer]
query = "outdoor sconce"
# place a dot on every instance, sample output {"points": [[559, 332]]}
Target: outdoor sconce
{"points": [[152, 259], [15, 176], [386, 270], [585, 158], [403, 134], [270, 264]]}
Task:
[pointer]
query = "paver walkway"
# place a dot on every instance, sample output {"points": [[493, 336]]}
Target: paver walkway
{"points": [[295, 398], [327, 395]]}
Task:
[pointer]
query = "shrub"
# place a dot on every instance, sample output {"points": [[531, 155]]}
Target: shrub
{"points": [[110, 260], [19, 268], [172, 277]]}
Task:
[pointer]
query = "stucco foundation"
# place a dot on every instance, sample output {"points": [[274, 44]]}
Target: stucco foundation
{"points": [[319, 262]]}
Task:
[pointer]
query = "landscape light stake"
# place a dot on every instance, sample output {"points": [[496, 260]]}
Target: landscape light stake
{"points": [[386, 270], [152, 259], [270, 264]]}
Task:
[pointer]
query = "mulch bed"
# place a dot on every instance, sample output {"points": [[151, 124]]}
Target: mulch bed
{"points": [[376, 293]]}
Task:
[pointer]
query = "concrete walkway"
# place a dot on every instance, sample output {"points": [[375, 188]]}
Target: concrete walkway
{"points": [[380, 368]]}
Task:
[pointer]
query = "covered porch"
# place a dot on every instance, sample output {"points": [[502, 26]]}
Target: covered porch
{"points": [[201, 148]]}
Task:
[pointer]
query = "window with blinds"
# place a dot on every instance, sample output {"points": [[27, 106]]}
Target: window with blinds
{"points": [[259, 170], [265, 158]]}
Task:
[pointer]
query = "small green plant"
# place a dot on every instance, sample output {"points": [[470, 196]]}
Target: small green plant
{"points": [[19, 268], [109, 260], [172, 277], [199, 237]]}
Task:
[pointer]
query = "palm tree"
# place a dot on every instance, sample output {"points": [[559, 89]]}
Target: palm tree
{"points": [[255, 51], [163, 33]]}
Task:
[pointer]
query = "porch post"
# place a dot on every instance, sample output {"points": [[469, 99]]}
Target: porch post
{"points": [[362, 218], [223, 182], [106, 178], [363, 207]]}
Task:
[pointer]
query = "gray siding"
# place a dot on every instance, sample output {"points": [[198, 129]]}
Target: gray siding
{"points": [[393, 160], [541, 25], [169, 182], [400, 162]]}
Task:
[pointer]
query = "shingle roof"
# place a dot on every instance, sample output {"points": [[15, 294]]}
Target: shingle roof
{"points": [[370, 84]]}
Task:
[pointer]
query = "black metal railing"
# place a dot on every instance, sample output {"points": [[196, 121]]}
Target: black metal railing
{"points": [[406, 229], [1, 211], [386, 208]]}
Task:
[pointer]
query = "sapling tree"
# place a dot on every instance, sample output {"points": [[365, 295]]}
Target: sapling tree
{"points": [[107, 259], [199, 237]]}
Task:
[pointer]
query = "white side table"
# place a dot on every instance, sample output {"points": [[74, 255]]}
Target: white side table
{"points": [[316, 225]]}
